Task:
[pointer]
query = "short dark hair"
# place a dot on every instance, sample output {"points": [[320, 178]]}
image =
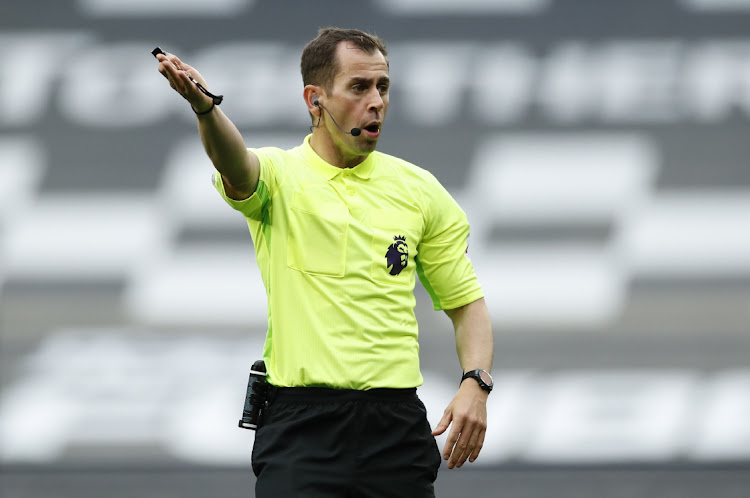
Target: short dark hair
{"points": [[319, 63]]}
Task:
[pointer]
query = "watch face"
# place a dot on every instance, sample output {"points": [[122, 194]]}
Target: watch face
{"points": [[486, 378]]}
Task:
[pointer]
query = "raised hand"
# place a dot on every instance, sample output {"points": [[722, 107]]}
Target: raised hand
{"points": [[186, 81]]}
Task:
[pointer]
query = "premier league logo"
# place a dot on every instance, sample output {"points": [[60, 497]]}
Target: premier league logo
{"points": [[398, 255]]}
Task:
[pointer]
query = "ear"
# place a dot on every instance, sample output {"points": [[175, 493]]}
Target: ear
{"points": [[310, 94]]}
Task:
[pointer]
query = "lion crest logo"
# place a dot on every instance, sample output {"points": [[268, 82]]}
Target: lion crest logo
{"points": [[397, 256]]}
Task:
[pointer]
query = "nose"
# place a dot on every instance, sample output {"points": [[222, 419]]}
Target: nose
{"points": [[376, 101]]}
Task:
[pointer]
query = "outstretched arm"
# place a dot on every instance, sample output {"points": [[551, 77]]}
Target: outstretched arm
{"points": [[467, 412], [224, 145]]}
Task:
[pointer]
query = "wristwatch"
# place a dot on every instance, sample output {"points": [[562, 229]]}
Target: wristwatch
{"points": [[483, 377]]}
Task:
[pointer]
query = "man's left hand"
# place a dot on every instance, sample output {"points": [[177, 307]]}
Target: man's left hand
{"points": [[468, 414]]}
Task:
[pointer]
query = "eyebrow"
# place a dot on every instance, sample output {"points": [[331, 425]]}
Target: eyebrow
{"points": [[359, 79]]}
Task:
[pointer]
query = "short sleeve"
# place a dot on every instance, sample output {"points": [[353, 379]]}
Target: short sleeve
{"points": [[252, 207], [443, 263]]}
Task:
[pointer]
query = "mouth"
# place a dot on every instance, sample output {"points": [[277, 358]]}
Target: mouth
{"points": [[372, 130]]}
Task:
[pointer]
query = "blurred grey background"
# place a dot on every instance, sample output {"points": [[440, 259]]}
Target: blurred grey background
{"points": [[600, 149]]}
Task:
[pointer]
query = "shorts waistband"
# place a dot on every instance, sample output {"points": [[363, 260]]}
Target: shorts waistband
{"points": [[327, 395]]}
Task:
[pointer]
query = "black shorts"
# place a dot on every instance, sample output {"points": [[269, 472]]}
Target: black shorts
{"points": [[317, 442]]}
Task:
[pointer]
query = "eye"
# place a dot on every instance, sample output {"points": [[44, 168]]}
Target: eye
{"points": [[383, 89]]}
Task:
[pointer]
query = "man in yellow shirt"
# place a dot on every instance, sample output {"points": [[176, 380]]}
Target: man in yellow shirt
{"points": [[340, 233]]}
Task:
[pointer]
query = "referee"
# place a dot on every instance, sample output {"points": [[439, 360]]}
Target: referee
{"points": [[340, 232]]}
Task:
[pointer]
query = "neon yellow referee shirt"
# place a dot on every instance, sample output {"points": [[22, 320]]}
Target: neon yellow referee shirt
{"points": [[338, 251]]}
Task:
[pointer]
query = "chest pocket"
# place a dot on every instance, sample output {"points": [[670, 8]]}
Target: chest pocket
{"points": [[395, 236], [318, 231]]}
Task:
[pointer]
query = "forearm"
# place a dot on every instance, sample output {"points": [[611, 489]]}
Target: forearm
{"points": [[467, 412], [474, 339], [221, 139], [226, 149]]}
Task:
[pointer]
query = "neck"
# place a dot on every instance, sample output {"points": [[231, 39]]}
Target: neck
{"points": [[323, 145]]}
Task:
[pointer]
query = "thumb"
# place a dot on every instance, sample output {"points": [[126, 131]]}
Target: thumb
{"points": [[443, 424]]}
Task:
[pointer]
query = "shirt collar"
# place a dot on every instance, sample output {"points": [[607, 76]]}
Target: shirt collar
{"points": [[363, 170]]}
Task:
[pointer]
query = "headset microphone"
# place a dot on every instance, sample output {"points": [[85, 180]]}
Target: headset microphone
{"points": [[355, 131]]}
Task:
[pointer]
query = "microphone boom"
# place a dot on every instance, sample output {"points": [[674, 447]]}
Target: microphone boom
{"points": [[355, 131]]}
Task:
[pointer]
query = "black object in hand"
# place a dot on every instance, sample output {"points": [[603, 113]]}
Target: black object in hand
{"points": [[215, 99]]}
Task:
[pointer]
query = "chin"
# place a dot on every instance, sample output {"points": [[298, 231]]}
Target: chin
{"points": [[368, 145]]}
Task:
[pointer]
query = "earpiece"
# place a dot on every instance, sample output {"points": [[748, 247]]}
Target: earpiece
{"points": [[315, 99]]}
